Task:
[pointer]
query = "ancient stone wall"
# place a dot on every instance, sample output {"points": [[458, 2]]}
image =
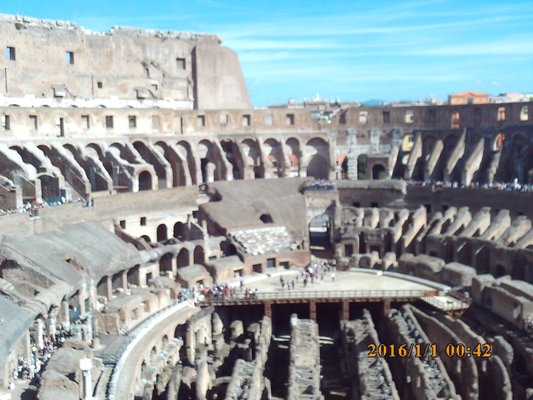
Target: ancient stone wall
{"points": [[65, 62]]}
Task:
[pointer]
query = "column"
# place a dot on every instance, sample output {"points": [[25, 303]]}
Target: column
{"points": [[345, 310], [39, 331], [109, 288], [268, 309], [65, 315], [51, 321], [125, 280], [312, 310], [86, 366], [352, 166]]}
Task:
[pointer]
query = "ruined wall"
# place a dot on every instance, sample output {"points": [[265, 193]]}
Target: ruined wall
{"points": [[59, 60]]}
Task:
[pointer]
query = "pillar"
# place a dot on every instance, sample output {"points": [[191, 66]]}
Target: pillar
{"points": [[312, 310], [39, 331], [268, 309], [86, 366], [51, 321], [125, 279], [386, 307], [345, 310], [65, 315], [351, 173], [109, 288]]}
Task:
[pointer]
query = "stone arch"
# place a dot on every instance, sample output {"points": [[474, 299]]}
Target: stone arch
{"points": [[49, 186], [176, 163], [185, 150], [165, 264], [428, 144], [182, 259], [252, 154], [162, 233], [148, 156], [318, 167], [341, 166], [211, 164], [316, 158], [199, 255], [117, 280], [153, 355], [274, 163], [464, 254], [295, 156], [71, 147], [133, 276], [146, 238], [181, 231], [447, 250], [379, 171], [145, 180], [101, 287], [234, 157], [482, 259]]}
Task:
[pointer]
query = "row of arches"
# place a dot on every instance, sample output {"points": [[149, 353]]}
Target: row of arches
{"points": [[143, 165]]}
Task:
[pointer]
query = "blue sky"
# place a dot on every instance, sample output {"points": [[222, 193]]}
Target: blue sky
{"points": [[351, 50]]}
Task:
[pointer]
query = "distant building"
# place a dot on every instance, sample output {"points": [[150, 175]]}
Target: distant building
{"points": [[510, 98], [468, 97]]}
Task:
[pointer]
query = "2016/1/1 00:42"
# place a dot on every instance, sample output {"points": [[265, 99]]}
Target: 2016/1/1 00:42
{"points": [[422, 350]]}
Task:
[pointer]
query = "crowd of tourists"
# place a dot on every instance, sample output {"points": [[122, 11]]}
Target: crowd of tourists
{"points": [[220, 291], [30, 368], [316, 271], [514, 186], [33, 208], [319, 184]]}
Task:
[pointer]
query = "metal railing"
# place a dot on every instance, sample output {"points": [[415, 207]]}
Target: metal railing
{"points": [[316, 294]]}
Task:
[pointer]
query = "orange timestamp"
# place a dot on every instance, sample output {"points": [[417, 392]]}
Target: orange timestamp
{"points": [[431, 350]]}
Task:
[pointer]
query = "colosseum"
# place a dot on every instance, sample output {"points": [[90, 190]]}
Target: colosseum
{"points": [[163, 239]]}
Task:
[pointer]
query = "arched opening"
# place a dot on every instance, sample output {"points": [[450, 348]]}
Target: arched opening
{"points": [[228, 248], [153, 355], [233, 155], [482, 260], [447, 248], [318, 167], [295, 155], [379, 172], [162, 233], [212, 167], [464, 254], [101, 287], [145, 180], [146, 238], [181, 231], [165, 264], [116, 281], [499, 271], [361, 167], [319, 232], [274, 157], [344, 168], [184, 149], [252, 154], [133, 276], [182, 259], [148, 155], [198, 255], [143, 370], [49, 188]]}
